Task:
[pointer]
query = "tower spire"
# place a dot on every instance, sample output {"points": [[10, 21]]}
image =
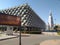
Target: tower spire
{"points": [[50, 13]]}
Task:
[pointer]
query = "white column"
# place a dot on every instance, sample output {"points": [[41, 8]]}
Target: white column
{"points": [[9, 30]]}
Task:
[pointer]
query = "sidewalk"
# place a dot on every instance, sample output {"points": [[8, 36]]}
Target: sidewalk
{"points": [[50, 33], [15, 35], [51, 42], [23, 35], [4, 37]]}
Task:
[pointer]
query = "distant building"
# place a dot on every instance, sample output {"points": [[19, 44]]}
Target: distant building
{"points": [[29, 19], [50, 22]]}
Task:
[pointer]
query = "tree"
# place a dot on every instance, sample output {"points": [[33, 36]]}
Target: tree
{"points": [[56, 28]]}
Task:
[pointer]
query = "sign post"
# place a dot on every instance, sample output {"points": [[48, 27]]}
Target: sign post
{"points": [[20, 36], [11, 20]]}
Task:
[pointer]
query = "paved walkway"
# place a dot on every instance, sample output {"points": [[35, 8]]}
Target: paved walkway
{"points": [[15, 35], [32, 39], [4, 37], [50, 42], [50, 33], [36, 39]]}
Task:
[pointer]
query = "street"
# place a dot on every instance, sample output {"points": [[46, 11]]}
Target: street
{"points": [[35, 39]]}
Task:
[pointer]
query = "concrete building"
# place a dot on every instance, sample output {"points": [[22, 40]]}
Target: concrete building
{"points": [[29, 19]]}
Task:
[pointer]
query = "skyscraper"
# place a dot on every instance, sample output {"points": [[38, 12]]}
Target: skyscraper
{"points": [[50, 21]]}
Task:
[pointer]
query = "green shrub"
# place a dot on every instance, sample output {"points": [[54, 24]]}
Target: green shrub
{"points": [[58, 32]]}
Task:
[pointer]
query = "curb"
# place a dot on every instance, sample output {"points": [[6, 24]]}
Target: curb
{"points": [[15, 36], [7, 38]]}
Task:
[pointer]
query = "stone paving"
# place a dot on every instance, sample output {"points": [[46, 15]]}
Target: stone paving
{"points": [[4, 37], [50, 42], [15, 35], [50, 33], [34, 39]]}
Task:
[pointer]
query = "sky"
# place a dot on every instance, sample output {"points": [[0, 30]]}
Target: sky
{"points": [[40, 7]]}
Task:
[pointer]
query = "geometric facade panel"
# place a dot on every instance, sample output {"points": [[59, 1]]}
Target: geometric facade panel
{"points": [[28, 16]]}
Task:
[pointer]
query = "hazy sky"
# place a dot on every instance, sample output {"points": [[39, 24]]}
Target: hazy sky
{"points": [[41, 7]]}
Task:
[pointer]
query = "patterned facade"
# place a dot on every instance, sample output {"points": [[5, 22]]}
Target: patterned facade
{"points": [[28, 17]]}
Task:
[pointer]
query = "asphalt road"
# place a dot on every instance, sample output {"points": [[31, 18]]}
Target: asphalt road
{"points": [[29, 40]]}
